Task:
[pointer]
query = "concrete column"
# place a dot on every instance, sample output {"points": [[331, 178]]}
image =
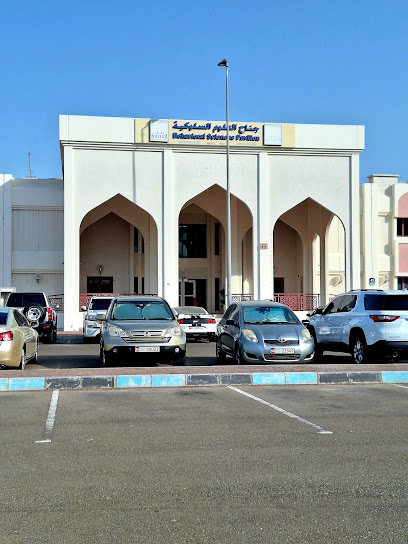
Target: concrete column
{"points": [[131, 258], [263, 234], [6, 229], [72, 316], [324, 259], [169, 236], [236, 250], [354, 259]]}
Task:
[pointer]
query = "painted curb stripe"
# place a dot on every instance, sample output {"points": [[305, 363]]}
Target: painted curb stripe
{"points": [[395, 377], [180, 380], [26, 384], [134, 381], [269, 378], [170, 380], [299, 378]]}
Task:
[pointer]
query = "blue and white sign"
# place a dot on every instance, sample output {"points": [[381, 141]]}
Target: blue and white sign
{"points": [[371, 281], [272, 134], [159, 130]]}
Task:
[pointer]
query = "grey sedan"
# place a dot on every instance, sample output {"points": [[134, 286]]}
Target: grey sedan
{"points": [[262, 331]]}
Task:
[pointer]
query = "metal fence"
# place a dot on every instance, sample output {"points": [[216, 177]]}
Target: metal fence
{"points": [[298, 301]]}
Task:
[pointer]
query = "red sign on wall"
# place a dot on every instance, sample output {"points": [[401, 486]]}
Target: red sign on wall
{"points": [[263, 246]]}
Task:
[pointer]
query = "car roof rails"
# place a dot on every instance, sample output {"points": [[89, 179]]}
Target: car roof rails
{"points": [[372, 290]]}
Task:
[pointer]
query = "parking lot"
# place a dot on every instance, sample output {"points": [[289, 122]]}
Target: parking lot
{"points": [[203, 465]]}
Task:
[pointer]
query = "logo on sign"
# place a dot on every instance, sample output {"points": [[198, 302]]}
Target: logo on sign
{"points": [[159, 130], [371, 281]]}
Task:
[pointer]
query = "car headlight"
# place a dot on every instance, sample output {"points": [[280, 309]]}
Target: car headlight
{"points": [[306, 337], [249, 335], [116, 331], [173, 331]]}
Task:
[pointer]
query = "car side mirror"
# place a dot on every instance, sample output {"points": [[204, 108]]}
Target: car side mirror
{"points": [[57, 306], [305, 322], [319, 311], [100, 316], [83, 308], [230, 322]]}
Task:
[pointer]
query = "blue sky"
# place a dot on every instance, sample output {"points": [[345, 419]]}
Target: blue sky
{"points": [[329, 62]]}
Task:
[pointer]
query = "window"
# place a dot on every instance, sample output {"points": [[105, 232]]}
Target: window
{"points": [[402, 226], [217, 294], [216, 239], [136, 284], [402, 283], [193, 241], [143, 290], [99, 284], [334, 305], [135, 240], [386, 302], [348, 303]]}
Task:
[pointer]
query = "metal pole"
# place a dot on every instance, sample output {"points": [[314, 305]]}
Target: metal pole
{"points": [[228, 203], [228, 293]]}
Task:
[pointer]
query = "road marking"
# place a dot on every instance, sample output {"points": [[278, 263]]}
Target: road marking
{"points": [[320, 430], [403, 386], [49, 424]]}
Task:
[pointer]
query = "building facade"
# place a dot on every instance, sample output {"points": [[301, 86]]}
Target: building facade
{"points": [[142, 208]]}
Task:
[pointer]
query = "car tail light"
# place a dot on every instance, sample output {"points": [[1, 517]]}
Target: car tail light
{"points": [[211, 320], [49, 312], [181, 321], [6, 336], [384, 318]]}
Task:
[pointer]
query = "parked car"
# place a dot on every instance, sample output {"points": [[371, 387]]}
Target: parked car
{"points": [[369, 324], [262, 331], [92, 327], [196, 322], [137, 325], [18, 339], [37, 309]]}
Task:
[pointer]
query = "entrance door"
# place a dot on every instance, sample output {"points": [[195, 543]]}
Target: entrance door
{"points": [[187, 292], [99, 284], [279, 285]]}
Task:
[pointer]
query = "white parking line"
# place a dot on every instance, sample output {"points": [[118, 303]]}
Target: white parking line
{"points": [[49, 424], [320, 430], [403, 386]]}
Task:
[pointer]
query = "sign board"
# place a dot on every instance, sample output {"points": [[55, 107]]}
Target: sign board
{"points": [[272, 134], [159, 130], [263, 246], [371, 281]]}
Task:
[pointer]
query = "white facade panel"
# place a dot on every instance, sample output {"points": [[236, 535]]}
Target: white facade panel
{"points": [[96, 129], [330, 137]]}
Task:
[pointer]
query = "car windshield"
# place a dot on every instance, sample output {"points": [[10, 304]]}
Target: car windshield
{"points": [[19, 300], [269, 314], [386, 302], [3, 318], [130, 310], [100, 304], [196, 310]]}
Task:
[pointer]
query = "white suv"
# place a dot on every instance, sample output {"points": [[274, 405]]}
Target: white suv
{"points": [[369, 324]]}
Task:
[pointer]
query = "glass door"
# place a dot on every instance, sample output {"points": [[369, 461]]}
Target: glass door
{"points": [[187, 292]]}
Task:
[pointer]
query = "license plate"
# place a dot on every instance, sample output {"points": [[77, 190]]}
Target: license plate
{"points": [[146, 349], [285, 351], [194, 328]]}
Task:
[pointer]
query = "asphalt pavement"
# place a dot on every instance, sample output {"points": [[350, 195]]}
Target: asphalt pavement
{"points": [[229, 465]]}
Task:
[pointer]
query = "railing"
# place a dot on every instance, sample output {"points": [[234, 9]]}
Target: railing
{"points": [[298, 301], [57, 302]]}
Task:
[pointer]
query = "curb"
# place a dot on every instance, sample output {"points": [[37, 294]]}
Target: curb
{"points": [[199, 380]]}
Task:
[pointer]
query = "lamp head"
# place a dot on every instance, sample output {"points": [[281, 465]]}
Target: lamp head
{"points": [[223, 63]]}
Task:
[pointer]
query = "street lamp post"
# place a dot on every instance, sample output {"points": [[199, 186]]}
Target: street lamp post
{"points": [[228, 294]]}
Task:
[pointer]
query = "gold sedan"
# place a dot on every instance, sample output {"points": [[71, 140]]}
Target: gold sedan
{"points": [[18, 340]]}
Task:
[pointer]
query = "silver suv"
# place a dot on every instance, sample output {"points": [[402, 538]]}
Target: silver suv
{"points": [[141, 326], [92, 327], [369, 324]]}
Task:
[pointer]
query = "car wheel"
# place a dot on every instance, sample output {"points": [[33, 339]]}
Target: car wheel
{"points": [[237, 356], [220, 354], [34, 312], [359, 349], [35, 357], [318, 354], [22, 364], [105, 358]]}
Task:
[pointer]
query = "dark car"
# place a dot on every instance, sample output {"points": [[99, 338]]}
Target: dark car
{"points": [[37, 308], [262, 331]]}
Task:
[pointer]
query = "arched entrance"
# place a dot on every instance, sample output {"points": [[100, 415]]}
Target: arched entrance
{"points": [[309, 255], [202, 263], [118, 249]]}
